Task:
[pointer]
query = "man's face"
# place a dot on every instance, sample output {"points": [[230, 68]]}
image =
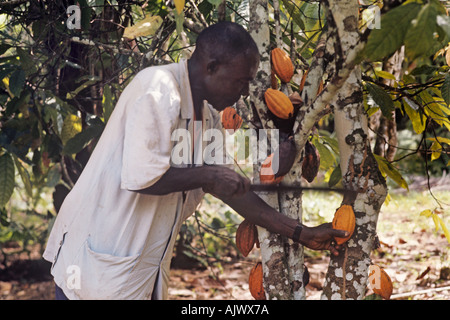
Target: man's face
{"points": [[226, 83]]}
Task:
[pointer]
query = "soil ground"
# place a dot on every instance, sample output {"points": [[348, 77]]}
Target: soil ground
{"points": [[416, 258]]}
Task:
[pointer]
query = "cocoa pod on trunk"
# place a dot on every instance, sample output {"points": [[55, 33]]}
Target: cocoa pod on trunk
{"points": [[311, 162], [246, 237], [255, 282]]}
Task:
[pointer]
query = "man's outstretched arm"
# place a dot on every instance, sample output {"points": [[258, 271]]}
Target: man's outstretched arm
{"points": [[233, 189]]}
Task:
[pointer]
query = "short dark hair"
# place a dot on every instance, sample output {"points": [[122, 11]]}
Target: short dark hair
{"points": [[224, 41]]}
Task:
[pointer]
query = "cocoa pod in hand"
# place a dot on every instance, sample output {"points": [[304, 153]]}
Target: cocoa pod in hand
{"points": [[344, 219]]}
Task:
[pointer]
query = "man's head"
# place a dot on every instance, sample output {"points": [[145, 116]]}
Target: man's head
{"points": [[226, 60]]}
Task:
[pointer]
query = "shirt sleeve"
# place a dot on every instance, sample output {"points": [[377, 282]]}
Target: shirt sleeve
{"points": [[147, 144]]}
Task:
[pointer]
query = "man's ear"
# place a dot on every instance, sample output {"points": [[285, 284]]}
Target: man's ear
{"points": [[212, 66]]}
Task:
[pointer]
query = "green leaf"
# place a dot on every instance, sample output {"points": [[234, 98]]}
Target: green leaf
{"points": [[445, 89], [144, 28], [82, 139], [91, 81], [381, 98], [387, 169], [25, 176], [85, 14], [385, 74], [294, 12], [440, 140], [444, 229], [420, 38], [444, 23], [335, 177], [436, 150], [7, 172], [215, 2], [426, 213], [71, 126], [394, 26], [17, 82], [26, 61], [418, 120], [327, 158]]}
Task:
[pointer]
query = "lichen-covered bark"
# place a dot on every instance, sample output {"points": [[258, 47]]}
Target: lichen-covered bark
{"points": [[282, 259], [347, 274], [273, 256], [336, 57]]}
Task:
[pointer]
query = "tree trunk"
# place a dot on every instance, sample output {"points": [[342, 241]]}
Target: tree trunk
{"points": [[282, 262], [347, 273], [282, 259]]}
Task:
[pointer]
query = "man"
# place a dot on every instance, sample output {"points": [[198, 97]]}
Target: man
{"points": [[114, 234]]}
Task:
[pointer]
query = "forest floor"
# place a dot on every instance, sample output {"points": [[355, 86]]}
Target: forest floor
{"points": [[412, 252]]}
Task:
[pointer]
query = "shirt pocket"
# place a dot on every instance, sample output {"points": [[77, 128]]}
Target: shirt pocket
{"points": [[102, 275]]}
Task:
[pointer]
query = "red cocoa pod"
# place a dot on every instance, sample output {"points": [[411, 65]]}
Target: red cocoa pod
{"points": [[246, 237], [255, 282]]}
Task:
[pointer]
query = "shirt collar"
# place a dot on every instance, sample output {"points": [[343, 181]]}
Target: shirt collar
{"points": [[187, 104]]}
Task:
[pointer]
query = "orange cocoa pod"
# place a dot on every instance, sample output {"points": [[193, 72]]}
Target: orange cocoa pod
{"points": [[231, 119], [279, 103], [380, 282], [255, 282], [266, 174], [282, 65], [246, 237], [344, 219]]}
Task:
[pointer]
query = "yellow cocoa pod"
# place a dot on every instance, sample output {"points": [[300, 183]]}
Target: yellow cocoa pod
{"points": [[344, 219], [231, 119], [279, 103], [246, 237], [380, 281], [255, 282], [282, 65]]}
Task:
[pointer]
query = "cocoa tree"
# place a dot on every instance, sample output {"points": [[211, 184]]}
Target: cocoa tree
{"points": [[338, 56]]}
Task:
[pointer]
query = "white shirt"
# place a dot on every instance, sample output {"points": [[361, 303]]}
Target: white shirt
{"points": [[109, 242]]}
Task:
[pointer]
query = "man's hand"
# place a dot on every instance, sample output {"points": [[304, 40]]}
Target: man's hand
{"points": [[225, 183], [322, 237]]}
